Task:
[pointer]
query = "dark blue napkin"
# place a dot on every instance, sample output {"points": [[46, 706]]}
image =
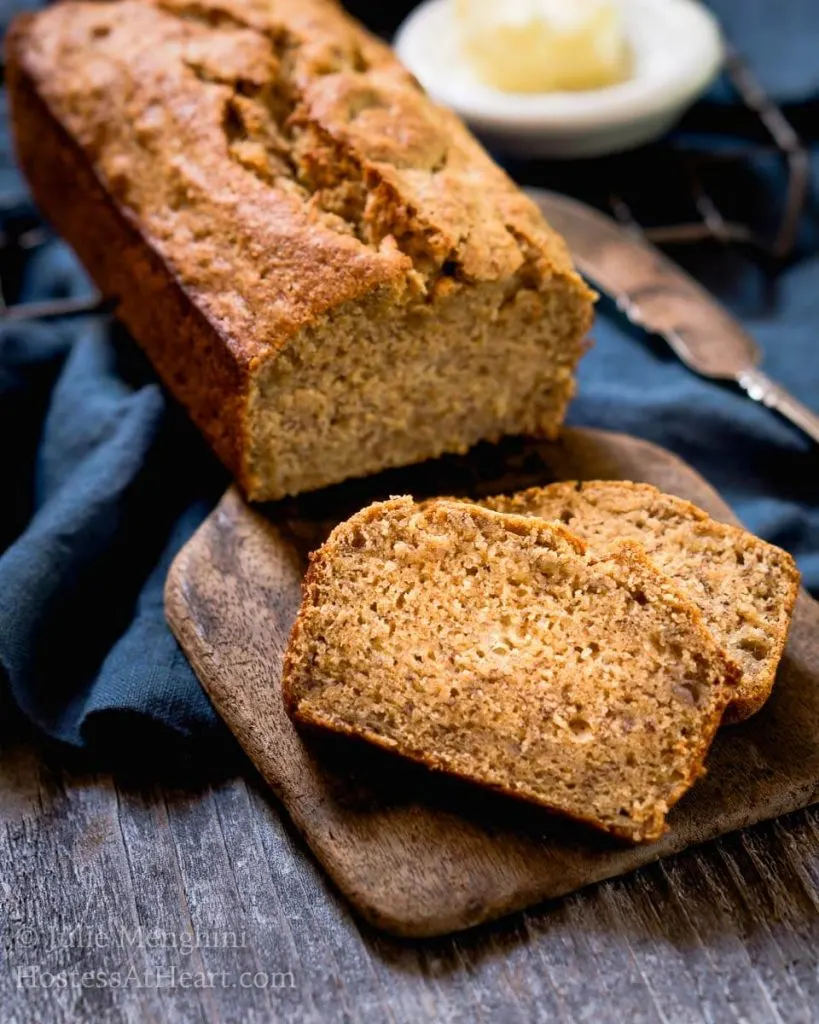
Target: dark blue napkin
{"points": [[97, 510], [104, 479]]}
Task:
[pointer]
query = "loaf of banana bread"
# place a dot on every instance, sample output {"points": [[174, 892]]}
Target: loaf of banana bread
{"points": [[325, 267]]}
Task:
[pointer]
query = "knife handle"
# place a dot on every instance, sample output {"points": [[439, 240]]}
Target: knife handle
{"points": [[762, 389]]}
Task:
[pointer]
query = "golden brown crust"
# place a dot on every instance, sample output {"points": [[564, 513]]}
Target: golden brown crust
{"points": [[171, 102], [234, 171], [188, 348]]}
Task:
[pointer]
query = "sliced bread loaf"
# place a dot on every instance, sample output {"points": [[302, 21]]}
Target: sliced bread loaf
{"points": [[327, 270], [744, 588], [493, 647]]}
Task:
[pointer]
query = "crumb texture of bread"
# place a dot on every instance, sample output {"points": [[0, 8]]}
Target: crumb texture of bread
{"points": [[493, 647], [744, 587], [383, 289]]}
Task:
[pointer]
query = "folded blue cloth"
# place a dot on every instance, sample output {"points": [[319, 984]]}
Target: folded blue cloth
{"points": [[96, 504], [97, 511]]}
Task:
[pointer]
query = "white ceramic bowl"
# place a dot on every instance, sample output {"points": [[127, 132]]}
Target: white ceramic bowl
{"points": [[677, 50]]}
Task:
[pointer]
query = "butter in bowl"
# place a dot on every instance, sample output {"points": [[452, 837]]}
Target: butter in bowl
{"points": [[564, 78]]}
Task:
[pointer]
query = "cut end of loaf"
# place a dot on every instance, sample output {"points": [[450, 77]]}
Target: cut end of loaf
{"points": [[494, 648], [384, 383]]}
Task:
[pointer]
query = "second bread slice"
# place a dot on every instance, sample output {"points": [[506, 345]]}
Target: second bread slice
{"points": [[744, 588], [493, 647]]}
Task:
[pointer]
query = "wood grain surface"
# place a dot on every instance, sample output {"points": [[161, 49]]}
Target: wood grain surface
{"points": [[726, 933], [416, 853]]}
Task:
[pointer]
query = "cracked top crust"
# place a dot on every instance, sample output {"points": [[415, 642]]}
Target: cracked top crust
{"points": [[282, 160]]}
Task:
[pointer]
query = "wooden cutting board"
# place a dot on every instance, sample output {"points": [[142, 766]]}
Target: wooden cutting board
{"points": [[416, 853]]}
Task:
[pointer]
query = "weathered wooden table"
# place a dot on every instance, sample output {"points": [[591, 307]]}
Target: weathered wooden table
{"points": [[107, 885]]}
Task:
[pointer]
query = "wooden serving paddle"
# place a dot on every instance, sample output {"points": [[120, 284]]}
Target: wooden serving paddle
{"points": [[417, 853]]}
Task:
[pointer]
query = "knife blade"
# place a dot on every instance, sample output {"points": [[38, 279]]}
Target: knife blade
{"points": [[659, 296]]}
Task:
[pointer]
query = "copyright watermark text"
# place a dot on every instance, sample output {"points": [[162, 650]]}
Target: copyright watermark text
{"points": [[32, 976], [54, 939]]}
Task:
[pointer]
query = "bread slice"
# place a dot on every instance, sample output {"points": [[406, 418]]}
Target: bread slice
{"points": [[745, 588], [494, 648]]}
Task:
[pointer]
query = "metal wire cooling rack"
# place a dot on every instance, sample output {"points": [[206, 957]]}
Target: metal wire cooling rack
{"points": [[771, 133]]}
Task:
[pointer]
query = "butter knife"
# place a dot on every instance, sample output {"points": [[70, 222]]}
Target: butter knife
{"points": [[656, 294]]}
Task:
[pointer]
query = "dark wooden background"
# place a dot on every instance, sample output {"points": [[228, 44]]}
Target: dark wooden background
{"points": [[725, 933]]}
